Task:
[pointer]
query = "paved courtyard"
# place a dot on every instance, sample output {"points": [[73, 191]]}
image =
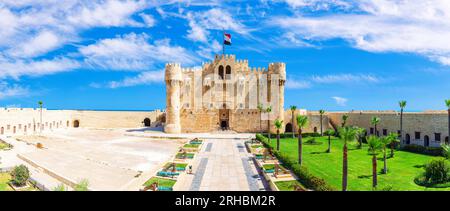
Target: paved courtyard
{"points": [[222, 165], [108, 159]]}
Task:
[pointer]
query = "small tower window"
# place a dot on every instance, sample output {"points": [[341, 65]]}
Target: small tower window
{"points": [[221, 73]]}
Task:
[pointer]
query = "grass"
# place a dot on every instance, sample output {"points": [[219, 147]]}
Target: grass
{"points": [[402, 169], [287, 185], [4, 186], [188, 155], [4, 179], [177, 165], [4, 145], [161, 182], [191, 145]]}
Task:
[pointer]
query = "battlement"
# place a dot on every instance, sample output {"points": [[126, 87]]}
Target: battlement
{"points": [[191, 69]]}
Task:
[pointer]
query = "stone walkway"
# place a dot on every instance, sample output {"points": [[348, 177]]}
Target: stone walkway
{"points": [[222, 165]]}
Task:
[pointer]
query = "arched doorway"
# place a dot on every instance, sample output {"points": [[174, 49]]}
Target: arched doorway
{"points": [[446, 140], [76, 123], [224, 124], [288, 128], [408, 139], [2, 131], [68, 124], [315, 129], [14, 130], [426, 141], [147, 122], [25, 129]]}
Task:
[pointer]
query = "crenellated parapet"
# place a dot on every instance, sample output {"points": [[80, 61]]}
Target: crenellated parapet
{"points": [[173, 72], [278, 68]]}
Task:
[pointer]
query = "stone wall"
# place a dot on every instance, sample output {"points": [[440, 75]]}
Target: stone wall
{"points": [[27, 120], [429, 124]]}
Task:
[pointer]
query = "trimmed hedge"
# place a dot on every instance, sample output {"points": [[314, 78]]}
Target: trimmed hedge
{"points": [[433, 151], [289, 135], [307, 179]]}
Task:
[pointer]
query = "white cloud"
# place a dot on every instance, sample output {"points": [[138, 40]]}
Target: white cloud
{"points": [[148, 19], [209, 50], [143, 78], [340, 101], [34, 68], [40, 44], [108, 13], [197, 32], [7, 91], [133, 52], [345, 78], [415, 26], [296, 84]]}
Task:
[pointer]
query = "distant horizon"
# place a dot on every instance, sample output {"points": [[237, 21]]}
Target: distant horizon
{"points": [[163, 109]]}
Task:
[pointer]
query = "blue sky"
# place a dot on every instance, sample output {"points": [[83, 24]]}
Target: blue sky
{"points": [[340, 54]]}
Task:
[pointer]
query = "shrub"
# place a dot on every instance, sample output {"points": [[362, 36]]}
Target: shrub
{"points": [[83, 185], [434, 151], [312, 141], [60, 187], [20, 175], [436, 172], [307, 179]]}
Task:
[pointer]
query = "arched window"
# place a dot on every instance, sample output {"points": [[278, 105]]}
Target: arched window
{"points": [[221, 73], [2, 131], [76, 123], [408, 139], [288, 128], [228, 72], [446, 140]]}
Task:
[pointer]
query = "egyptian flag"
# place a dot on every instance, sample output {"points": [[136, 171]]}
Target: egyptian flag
{"points": [[227, 39]]}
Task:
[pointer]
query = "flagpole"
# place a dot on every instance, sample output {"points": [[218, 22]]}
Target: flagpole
{"points": [[223, 42]]}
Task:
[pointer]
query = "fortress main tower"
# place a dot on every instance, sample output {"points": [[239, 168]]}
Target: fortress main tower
{"points": [[223, 95]]}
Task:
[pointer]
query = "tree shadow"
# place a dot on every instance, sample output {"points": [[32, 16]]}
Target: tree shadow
{"points": [[317, 153]]}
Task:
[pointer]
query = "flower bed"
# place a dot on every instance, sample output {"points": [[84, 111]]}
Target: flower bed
{"points": [[161, 183], [5, 146]]}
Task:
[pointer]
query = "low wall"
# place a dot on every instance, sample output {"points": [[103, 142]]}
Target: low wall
{"points": [[429, 125], [28, 121]]}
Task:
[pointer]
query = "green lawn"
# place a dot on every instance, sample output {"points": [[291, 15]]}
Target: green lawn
{"points": [[4, 179], [403, 168]]}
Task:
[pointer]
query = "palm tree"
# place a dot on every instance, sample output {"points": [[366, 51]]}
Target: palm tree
{"points": [[268, 111], [329, 133], [278, 125], [347, 134], [40, 103], [302, 121], [402, 105], [374, 144], [261, 110], [321, 112], [344, 120], [361, 132], [293, 108], [447, 103], [384, 141], [392, 141], [375, 121]]}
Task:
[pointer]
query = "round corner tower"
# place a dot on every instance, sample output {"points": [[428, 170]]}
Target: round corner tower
{"points": [[173, 78], [280, 69]]}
